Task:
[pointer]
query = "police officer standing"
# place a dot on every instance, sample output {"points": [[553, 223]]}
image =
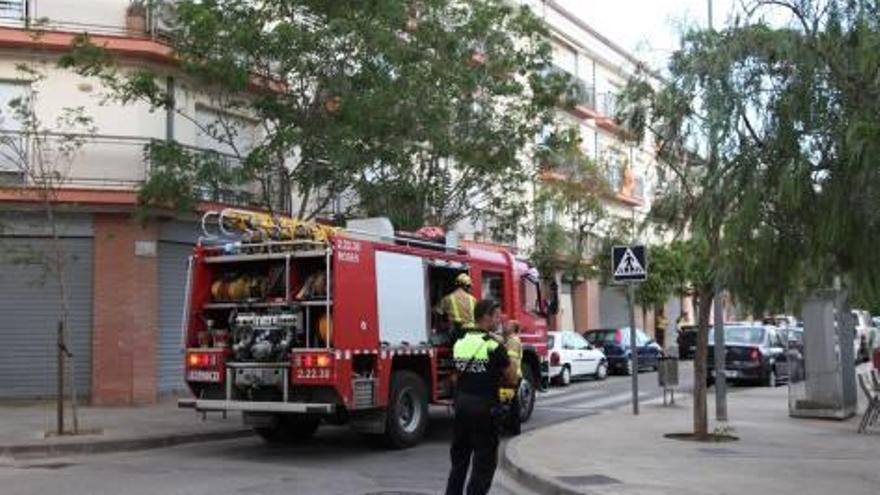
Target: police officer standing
{"points": [[480, 361]]}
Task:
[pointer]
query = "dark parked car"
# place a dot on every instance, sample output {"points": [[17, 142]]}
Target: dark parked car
{"points": [[614, 342], [687, 341], [754, 353]]}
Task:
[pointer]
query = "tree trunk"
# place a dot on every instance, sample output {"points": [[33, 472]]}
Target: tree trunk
{"points": [[701, 416], [59, 263]]}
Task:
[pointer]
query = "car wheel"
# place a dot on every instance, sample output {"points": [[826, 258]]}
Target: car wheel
{"points": [[565, 376], [526, 393], [601, 371], [407, 416], [289, 429], [771, 380]]}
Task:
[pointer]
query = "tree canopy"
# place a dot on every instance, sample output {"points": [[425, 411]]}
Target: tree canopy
{"points": [[421, 110], [767, 135]]}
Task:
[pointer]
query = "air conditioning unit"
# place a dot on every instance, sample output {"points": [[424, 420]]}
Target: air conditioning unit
{"points": [[161, 18]]}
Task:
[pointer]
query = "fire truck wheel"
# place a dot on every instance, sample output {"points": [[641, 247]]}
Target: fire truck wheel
{"points": [[407, 417], [289, 429], [526, 393]]}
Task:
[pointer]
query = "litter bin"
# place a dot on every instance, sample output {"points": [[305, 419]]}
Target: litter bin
{"points": [[667, 376], [667, 372]]}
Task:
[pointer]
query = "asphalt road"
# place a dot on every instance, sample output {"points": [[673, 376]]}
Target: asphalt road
{"points": [[336, 461]]}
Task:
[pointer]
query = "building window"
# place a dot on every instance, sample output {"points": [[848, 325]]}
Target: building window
{"points": [[565, 58], [224, 133], [12, 10], [13, 145], [639, 188], [614, 168]]}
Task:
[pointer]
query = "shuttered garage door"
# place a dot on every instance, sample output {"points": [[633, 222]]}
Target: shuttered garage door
{"points": [[30, 310], [173, 258], [613, 309]]}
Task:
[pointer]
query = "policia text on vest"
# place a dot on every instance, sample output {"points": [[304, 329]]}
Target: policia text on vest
{"points": [[480, 362]]}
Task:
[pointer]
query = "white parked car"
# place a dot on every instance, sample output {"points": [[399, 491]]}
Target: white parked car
{"points": [[572, 356]]}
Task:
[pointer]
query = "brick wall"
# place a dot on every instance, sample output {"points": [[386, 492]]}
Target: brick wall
{"points": [[586, 305], [125, 312]]}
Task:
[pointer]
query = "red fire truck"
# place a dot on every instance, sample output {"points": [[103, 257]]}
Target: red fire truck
{"points": [[295, 324]]}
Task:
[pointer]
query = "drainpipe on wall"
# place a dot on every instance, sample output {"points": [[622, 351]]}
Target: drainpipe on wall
{"points": [[169, 111]]}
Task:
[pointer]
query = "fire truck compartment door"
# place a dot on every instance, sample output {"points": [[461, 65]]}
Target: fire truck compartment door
{"points": [[402, 306]]}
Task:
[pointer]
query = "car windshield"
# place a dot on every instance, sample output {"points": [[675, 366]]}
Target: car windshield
{"points": [[600, 337], [740, 335]]}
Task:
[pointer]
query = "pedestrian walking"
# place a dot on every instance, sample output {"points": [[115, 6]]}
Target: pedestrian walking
{"points": [[480, 361]]}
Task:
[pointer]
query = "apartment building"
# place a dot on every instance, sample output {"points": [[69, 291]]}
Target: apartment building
{"points": [[125, 277], [600, 69]]}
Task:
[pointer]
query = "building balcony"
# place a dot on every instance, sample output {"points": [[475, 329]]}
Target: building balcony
{"points": [[105, 17], [580, 96], [100, 163]]}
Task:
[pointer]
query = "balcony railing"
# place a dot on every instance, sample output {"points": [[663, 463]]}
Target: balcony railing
{"points": [[607, 103], [102, 162], [43, 14], [580, 93]]}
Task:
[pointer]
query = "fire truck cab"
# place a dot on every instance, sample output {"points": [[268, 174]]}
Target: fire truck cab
{"points": [[343, 329]]}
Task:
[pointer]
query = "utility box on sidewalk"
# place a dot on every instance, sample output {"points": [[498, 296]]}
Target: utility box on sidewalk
{"points": [[827, 388], [667, 376]]}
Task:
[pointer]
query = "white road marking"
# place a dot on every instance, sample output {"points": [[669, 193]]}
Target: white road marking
{"points": [[620, 398], [570, 397]]}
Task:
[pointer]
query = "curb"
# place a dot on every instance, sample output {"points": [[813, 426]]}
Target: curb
{"points": [[536, 482], [529, 479], [120, 445]]}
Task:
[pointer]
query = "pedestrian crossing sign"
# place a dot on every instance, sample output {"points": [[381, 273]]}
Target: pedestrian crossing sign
{"points": [[629, 263]]}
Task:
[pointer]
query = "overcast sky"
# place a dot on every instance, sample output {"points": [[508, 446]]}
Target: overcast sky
{"points": [[648, 28]]}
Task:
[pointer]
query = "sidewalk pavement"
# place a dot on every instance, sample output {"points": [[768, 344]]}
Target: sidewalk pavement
{"points": [[615, 453], [24, 427]]}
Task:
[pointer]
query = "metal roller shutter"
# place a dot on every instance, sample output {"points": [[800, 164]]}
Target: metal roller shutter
{"points": [[30, 309], [172, 286], [613, 308]]}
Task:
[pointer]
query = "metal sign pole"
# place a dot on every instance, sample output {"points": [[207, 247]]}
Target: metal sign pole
{"points": [[633, 346], [630, 266], [720, 359]]}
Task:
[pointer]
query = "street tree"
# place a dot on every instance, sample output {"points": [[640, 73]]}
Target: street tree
{"points": [[41, 153], [415, 109], [668, 277], [697, 120], [569, 204], [769, 132]]}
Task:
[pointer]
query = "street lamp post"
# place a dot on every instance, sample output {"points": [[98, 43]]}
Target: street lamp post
{"points": [[719, 354]]}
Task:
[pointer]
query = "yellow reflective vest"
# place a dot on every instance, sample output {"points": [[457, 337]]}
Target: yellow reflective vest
{"points": [[458, 306]]}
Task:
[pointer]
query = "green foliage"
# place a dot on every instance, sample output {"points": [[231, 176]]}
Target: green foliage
{"points": [[181, 176], [571, 221], [766, 135], [667, 268], [421, 107]]}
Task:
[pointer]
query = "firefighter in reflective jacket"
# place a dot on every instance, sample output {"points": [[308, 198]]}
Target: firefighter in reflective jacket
{"points": [[512, 377], [480, 361], [458, 306]]}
